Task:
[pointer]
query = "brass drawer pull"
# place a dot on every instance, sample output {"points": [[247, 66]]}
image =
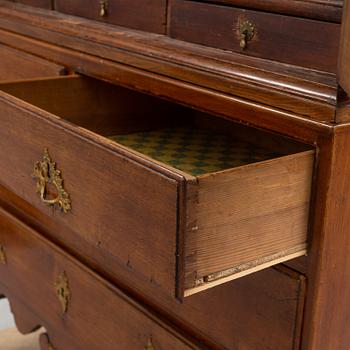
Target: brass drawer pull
{"points": [[149, 345], [3, 258], [246, 32], [62, 291], [46, 174], [103, 8]]}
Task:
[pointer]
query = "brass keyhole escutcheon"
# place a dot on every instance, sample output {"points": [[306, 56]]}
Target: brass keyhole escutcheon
{"points": [[149, 345], [62, 291], [3, 258], [103, 8], [47, 175], [246, 32]]}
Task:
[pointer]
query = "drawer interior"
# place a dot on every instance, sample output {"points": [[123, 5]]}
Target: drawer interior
{"points": [[186, 140], [222, 200]]}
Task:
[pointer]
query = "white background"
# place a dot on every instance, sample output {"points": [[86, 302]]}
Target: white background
{"points": [[6, 319]]}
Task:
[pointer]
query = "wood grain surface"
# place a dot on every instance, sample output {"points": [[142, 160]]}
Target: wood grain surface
{"points": [[327, 316], [247, 218], [262, 311], [47, 4], [328, 10], [98, 315], [172, 69], [123, 206], [280, 38], [148, 15], [17, 65]]}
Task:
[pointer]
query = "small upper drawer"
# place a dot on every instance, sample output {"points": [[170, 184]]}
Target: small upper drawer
{"points": [[286, 39], [147, 15], [17, 65], [181, 199], [37, 3], [69, 299]]}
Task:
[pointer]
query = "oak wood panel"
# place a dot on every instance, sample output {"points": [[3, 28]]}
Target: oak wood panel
{"points": [[148, 15], [327, 317], [16, 65], [344, 53], [308, 93], [327, 10], [92, 300], [287, 39], [262, 311], [107, 188]]}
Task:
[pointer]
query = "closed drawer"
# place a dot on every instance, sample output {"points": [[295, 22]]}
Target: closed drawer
{"points": [[37, 3], [184, 200], [17, 65], [239, 304], [77, 307], [148, 15], [286, 39]]}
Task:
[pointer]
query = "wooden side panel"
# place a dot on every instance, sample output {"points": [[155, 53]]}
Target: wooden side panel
{"points": [[344, 54], [247, 219], [17, 65], [328, 311], [98, 315], [149, 15], [285, 39], [124, 206]]}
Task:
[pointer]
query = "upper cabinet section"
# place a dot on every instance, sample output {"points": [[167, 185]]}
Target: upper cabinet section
{"points": [[326, 10], [148, 15], [293, 40]]}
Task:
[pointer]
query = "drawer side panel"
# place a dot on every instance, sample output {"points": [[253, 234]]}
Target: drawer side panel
{"points": [[248, 219]]}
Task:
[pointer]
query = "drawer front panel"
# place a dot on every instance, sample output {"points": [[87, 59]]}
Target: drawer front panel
{"points": [[37, 3], [16, 65], [90, 313], [148, 15], [123, 208], [286, 39]]}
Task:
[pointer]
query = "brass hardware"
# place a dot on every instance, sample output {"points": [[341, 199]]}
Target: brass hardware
{"points": [[246, 31], [149, 345], [3, 258], [62, 291], [103, 8], [46, 174]]}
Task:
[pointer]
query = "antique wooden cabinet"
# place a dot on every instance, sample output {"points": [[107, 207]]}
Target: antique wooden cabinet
{"points": [[174, 173]]}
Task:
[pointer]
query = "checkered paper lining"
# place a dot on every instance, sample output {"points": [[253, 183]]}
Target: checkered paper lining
{"points": [[194, 151]]}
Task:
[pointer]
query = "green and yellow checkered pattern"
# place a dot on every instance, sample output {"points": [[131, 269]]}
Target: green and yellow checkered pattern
{"points": [[194, 151]]}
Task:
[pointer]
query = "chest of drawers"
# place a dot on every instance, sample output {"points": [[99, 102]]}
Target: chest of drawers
{"points": [[166, 162]]}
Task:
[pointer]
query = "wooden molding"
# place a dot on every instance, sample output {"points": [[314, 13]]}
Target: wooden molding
{"points": [[308, 93]]}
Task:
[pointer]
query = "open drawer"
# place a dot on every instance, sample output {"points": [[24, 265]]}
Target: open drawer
{"points": [[179, 198]]}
